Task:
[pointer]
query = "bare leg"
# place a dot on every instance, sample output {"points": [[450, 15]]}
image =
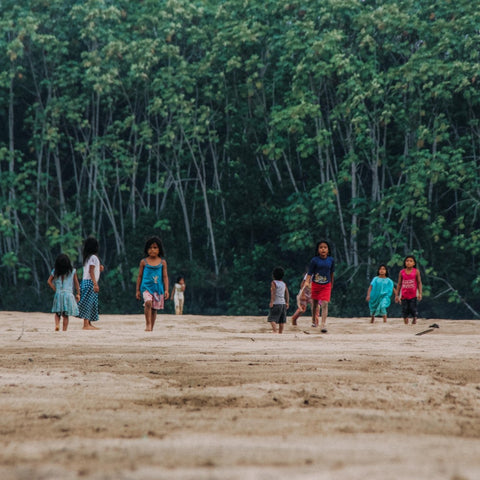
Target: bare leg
{"points": [[87, 325], [65, 323], [280, 327], [299, 311], [414, 320], [384, 319], [153, 317], [148, 316], [274, 327], [324, 313], [372, 319], [405, 320], [314, 313], [57, 322]]}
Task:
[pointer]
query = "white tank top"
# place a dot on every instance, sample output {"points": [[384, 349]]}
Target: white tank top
{"points": [[279, 293]]}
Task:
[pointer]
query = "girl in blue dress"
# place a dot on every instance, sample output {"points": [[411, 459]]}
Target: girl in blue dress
{"points": [[152, 281], [379, 294], [62, 280]]}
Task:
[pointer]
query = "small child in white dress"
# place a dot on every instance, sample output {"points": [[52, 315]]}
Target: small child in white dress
{"points": [[178, 295]]}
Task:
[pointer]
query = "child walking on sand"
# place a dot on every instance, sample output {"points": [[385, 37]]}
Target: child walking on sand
{"points": [[379, 294], [409, 289], [178, 295], [320, 278], [152, 281], [62, 280], [279, 300], [304, 298], [88, 304]]}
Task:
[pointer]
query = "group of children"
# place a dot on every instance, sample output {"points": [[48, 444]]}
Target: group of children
{"points": [[316, 288], [153, 288], [152, 285]]}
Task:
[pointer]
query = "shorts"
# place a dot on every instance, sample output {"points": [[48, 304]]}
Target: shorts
{"points": [[278, 313], [409, 306], [321, 291], [156, 299]]}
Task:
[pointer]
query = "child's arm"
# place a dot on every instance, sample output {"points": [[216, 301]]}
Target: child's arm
{"points": [[369, 291], [398, 289], [419, 285], [332, 276], [273, 289], [165, 279], [96, 288], [287, 296], [77, 286], [50, 283], [139, 279]]}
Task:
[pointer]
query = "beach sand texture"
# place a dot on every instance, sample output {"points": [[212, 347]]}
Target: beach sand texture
{"points": [[223, 398]]}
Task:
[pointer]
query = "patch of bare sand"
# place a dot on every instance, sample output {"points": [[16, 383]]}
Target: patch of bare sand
{"points": [[222, 397]]}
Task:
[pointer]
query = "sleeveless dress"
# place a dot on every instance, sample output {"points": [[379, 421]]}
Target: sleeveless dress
{"points": [[64, 300], [152, 279], [409, 284], [152, 288]]}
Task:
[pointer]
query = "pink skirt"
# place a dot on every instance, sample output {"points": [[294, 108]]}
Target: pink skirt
{"points": [[321, 291]]}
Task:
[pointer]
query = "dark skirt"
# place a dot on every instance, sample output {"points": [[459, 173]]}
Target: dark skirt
{"points": [[88, 304]]}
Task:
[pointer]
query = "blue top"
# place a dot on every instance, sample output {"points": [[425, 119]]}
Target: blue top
{"points": [[321, 269], [152, 279], [64, 302]]}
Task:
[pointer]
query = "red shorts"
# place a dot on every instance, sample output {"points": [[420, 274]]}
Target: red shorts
{"points": [[321, 291]]}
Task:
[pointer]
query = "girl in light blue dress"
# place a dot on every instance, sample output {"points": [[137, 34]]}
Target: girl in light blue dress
{"points": [[62, 280], [379, 294]]}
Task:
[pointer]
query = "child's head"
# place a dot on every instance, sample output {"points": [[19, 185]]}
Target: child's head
{"points": [[278, 273], [382, 270], [180, 279], [320, 245], [411, 257], [63, 266], [90, 247], [158, 242]]}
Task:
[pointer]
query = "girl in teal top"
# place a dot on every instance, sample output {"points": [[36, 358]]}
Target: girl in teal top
{"points": [[379, 294], [152, 281]]}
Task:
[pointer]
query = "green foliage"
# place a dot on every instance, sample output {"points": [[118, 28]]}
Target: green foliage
{"points": [[241, 132]]}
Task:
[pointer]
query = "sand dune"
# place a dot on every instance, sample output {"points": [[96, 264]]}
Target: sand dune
{"points": [[223, 398]]}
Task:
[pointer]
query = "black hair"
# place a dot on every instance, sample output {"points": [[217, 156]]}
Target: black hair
{"points": [[180, 277], [63, 266], [412, 257], [278, 273], [150, 242], [90, 247], [385, 267], [318, 244]]}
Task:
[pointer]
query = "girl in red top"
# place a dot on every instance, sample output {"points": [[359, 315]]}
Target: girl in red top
{"points": [[409, 289]]}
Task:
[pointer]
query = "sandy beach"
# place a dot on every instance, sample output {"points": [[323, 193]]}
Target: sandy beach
{"points": [[223, 398]]}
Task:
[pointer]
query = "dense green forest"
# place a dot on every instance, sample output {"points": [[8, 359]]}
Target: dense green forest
{"points": [[241, 132]]}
